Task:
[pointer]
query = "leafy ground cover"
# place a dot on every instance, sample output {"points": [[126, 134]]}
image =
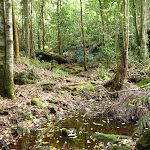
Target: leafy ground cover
{"points": [[61, 93]]}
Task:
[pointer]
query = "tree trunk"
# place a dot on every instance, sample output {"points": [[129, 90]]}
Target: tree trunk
{"points": [[8, 83], [103, 26], [31, 33], [116, 36], [83, 41], [135, 23], [122, 69], [27, 29], [58, 21], [42, 13], [2, 49], [16, 42], [144, 51]]}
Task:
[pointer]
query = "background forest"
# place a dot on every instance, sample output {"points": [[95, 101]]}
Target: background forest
{"points": [[86, 56]]}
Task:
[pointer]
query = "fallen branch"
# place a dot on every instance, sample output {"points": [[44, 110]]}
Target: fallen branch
{"points": [[41, 136]]}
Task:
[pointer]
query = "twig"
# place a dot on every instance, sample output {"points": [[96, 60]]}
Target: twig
{"points": [[41, 136], [129, 89]]}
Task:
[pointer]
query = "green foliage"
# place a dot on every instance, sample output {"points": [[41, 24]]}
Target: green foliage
{"points": [[86, 86], [47, 116], [60, 71], [144, 142], [102, 72], [140, 101], [109, 137], [21, 130], [25, 116], [35, 101], [143, 123], [120, 148], [21, 78], [144, 82]]}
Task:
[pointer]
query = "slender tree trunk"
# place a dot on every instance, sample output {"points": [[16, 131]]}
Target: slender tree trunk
{"points": [[103, 26], [122, 69], [16, 42], [27, 29], [83, 41], [116, 36], [58, 21], [38, 34], [2, 49], [144, 51], [9, 86], [42, 12], [135, 23], [31, 33]]}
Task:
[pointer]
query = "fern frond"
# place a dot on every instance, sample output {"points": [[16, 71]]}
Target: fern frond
{"points": [[143, 123]]}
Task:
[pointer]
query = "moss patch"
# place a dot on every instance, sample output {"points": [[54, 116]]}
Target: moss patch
{"points": [[47, 87], [109, 137], [21, 78], [35, 101], [86, 86], [143, 82]]}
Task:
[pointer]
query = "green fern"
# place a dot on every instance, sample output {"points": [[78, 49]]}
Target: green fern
{"points": [[144, 101], [143, 123]]}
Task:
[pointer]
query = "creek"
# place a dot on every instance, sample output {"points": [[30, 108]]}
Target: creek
{"points": [[83, 139]]}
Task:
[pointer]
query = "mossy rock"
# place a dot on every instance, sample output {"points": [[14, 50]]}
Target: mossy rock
{"points": [[86, 86], [120, 148], [109, 137], [47, 87], [68, 132], [144, 142], [21, 130], [35, 101], [21, 78], [74, 93], [49, 56], [143, 82]]}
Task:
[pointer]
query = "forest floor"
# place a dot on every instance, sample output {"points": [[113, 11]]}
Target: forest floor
{"points": [[69, 94]]}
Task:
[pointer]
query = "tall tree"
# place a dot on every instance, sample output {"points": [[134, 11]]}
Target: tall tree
{"points": [[83, 41], [102, 18], [143, 41], [59, 31], [122, 69], [42, 13], [16, 42], [135, 23], [6, 49], [27, 29]]}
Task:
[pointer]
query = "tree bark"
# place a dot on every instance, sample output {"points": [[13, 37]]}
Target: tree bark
{"points": [[144, 51], [103, 26], [8, 83], [2, 49], [58, 21], [27, 29], [83, 41], [116, 36], [135, 23], [42, 13], [122, 69], [16, 42]]}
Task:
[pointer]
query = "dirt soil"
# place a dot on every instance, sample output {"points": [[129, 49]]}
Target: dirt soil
{"points": [[13, 112]]}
